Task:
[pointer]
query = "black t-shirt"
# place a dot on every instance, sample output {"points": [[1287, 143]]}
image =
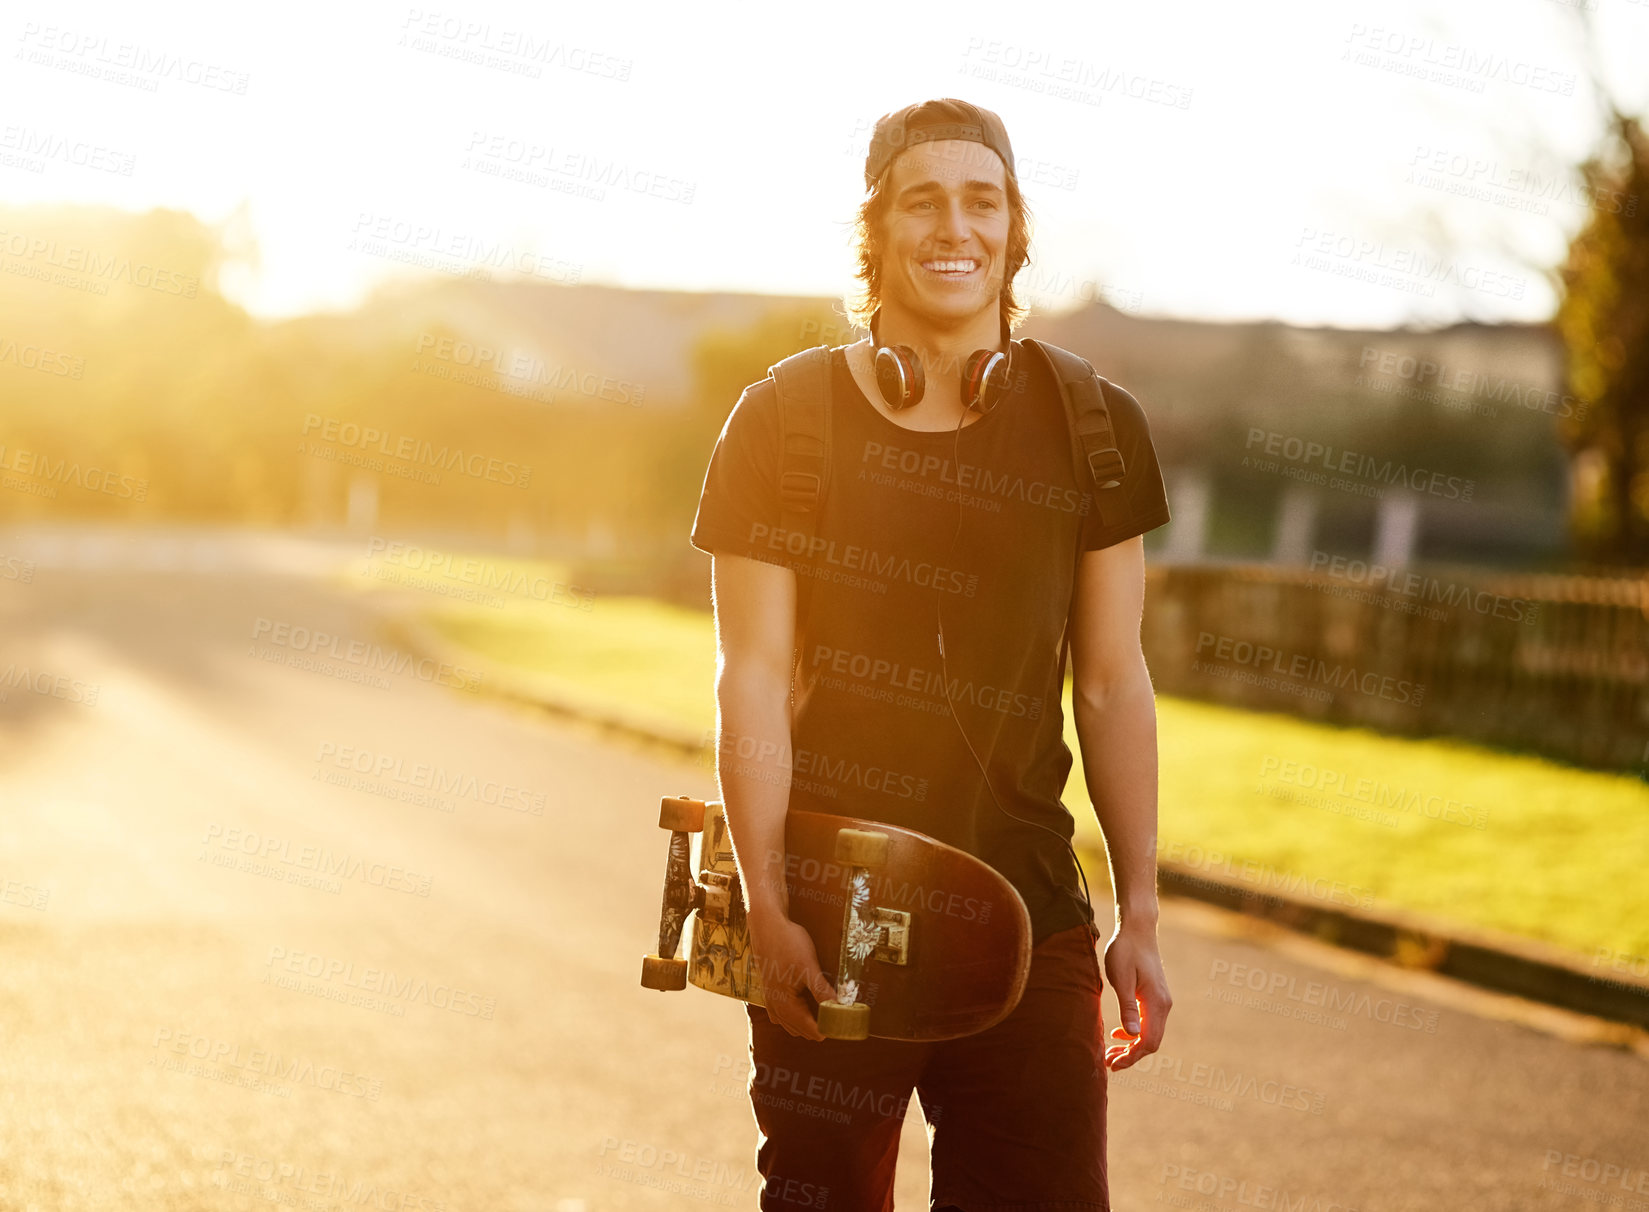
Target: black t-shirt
{"points": [[872, 734]]}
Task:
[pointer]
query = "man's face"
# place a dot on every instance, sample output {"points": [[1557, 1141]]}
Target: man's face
{"points": [[945, 230]]}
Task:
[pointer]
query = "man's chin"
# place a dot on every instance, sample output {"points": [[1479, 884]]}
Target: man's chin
{"points": [[949, 313]]}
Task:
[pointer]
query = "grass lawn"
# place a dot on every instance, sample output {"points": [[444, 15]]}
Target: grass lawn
{"points": [[1456, 831]]}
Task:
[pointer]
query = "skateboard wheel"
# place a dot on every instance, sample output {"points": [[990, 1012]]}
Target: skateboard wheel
{"points": [[861, 848], [665, 975], [678, 812], [844, 1022]]}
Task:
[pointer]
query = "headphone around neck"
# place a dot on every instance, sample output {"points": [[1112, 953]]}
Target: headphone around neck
{"points": [[899, 377]]}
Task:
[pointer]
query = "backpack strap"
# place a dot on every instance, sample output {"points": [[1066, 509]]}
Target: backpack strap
{"points": [[803, 383], [1093, 440]]}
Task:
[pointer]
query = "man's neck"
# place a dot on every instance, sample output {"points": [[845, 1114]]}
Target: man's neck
{"points": [[943, 349]]}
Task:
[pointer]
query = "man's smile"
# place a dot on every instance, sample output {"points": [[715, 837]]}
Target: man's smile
{"points": [[959, 267]]}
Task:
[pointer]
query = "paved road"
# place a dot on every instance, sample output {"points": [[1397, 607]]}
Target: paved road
{"points": [[194, 1015]]}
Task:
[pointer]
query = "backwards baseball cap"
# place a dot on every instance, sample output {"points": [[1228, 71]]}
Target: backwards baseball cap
{"points": [[928, 121]]}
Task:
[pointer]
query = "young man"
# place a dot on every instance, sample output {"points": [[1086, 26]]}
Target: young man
{"points": [[957, 551]]}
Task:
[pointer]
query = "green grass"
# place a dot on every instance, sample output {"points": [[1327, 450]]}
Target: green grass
{"points": [[625, 653], [621, 653], [1560, 855]]}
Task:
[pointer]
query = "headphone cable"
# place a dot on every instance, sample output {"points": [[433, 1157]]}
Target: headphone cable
{"points": [[944, 679]]}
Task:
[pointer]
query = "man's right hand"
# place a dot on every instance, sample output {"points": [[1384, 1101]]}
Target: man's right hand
{"points": [[788, 963]]}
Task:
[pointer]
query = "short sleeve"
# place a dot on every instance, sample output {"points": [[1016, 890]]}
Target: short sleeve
{"points": [[739, 502], [1144, 500]]}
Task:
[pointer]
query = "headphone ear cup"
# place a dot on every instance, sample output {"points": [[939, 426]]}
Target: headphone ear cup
{"points": [[984, 379], [899, 376]]}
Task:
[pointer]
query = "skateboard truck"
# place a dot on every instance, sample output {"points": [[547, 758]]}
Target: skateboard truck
{"points": [[869, 932], [665, 970], [866, 932]]}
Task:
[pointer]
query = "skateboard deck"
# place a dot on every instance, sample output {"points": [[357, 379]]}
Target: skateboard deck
{"points": [[921, 940]]}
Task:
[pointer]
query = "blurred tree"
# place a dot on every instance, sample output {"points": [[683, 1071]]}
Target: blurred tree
{"points": [[1603, 320], [725, 362]]}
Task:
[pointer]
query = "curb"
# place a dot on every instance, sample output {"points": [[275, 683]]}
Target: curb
{"points": [[545, 693], [1502, 963]]}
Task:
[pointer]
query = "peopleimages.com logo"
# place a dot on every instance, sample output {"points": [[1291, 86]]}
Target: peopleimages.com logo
{"points": [[485, 575], [417, 452], [1416, 589], [1263, 665], [849, 563], [310, 642], [42, 259], [1320, 459]]}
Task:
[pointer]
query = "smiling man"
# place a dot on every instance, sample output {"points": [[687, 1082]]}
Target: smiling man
{"points": [[909, 668]]}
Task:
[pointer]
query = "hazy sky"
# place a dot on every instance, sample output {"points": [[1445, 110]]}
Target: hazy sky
{"points": [[1338, 163]]}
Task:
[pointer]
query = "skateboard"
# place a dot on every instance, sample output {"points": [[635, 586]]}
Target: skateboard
{"points": [[920, 940]]}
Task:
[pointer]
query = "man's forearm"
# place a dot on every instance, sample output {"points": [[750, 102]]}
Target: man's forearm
{"points": [[753, 761], [1117, 734]]}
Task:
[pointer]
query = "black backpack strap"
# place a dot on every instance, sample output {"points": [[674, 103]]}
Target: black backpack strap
{"points": [[1093, 441], [803, 382]]}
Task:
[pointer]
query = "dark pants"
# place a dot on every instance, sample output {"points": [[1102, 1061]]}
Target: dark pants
{"points": [[1016, 1113]]}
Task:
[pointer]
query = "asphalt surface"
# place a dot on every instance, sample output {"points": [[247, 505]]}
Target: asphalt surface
{"points": [[235, 972]]}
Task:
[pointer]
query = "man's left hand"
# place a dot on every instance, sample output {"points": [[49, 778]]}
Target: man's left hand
{"points": [[1133, 967]]}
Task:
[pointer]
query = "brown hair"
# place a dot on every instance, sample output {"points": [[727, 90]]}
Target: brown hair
{"points": [[867, 238]]}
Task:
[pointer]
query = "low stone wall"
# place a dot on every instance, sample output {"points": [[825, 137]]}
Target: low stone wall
{"points": [[1554, 664]]}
